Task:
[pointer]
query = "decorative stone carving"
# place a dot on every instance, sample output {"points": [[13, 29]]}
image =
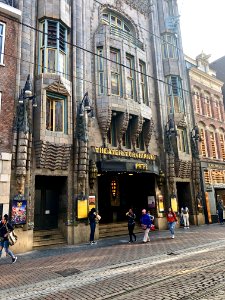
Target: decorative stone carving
{"points": [[136, 129], [104, 120], [183, 168], [148, 128], [52, 156], [58, 87], [123, 121]]}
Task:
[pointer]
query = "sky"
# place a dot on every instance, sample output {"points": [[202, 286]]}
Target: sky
{"points": [[202, 27]]}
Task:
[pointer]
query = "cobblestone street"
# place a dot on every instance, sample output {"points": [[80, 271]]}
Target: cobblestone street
{"points": [[189, 267]]}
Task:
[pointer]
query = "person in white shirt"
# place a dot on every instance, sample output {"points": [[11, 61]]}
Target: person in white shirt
{"points": [[185, 215]]}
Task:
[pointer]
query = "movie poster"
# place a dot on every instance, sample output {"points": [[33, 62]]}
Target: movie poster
{"points": [[19, 212]]}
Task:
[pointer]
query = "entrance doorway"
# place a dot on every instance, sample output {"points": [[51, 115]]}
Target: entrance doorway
{"points": [[183, 195], [48, 194], [133, 192]]}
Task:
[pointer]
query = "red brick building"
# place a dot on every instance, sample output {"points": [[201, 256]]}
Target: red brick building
{"points": [[9, 54], [208, 110]]}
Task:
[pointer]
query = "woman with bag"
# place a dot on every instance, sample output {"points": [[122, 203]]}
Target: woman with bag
{"points": [[146, 225], [93, 217], [5, 229], [172, 220], [131, 223]]}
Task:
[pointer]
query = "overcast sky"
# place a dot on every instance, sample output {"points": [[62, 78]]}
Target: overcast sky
{"points": [[203, 27]]}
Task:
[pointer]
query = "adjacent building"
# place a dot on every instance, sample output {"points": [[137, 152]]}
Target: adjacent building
{"points": [[9, 63], [208, 109], [107, 120]]}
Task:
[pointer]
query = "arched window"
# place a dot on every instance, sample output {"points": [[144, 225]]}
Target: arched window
{"points": [[197, 101], [213, 142], [113, 20]]}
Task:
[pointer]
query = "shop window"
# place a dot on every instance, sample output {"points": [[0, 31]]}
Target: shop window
{"points": [[2, 42], [203, 143], [207, 177], [100, 66], [130, 77], [56, 119], [53, 48], [115, 71], [169, 46], [143, 82], [175, 95], [182, 141]]}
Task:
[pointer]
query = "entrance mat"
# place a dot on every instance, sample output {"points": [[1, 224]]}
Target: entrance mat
{"points": [[69, 272]]}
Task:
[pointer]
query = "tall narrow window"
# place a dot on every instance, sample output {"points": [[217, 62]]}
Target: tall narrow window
{"points": [[169, 46], [213, 145], [207, 177], [222, 146], [217, 110], [140, 142], [2, 42], [115, 71], [55, 113], [203, 143], [143, 82], [130, 82], [208, 106], [112, 133], [100, 71], [197, 99], [170, 7], [127, 137], [53, 48], [175, 95], [182, 140]]}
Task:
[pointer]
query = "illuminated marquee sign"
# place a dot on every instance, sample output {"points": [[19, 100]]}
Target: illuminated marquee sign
{"points": [[122, 153], [141, 166]]}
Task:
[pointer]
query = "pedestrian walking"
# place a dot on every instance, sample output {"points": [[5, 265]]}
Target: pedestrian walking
{"points": [[220, 208], [5, 228], [131, 224], [172, 220], [92, 216], [145, 224], [185, 216]]}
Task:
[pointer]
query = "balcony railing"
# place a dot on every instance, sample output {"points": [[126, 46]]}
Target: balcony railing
{"points": [[125, 35], [13, 3]]}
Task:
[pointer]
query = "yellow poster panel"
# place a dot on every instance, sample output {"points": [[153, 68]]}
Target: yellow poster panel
{"points": [[82, 209], [174, 204], [91, 202], [161, 204]]}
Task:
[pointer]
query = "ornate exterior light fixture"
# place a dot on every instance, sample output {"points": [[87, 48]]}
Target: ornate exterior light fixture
{"points": [[93, 173], [161, 179]]}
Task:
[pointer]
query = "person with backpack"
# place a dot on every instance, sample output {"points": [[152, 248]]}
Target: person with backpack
{"points": [[172, 220], [5, 228], [131, 224], [146, 225], [185, 216]]}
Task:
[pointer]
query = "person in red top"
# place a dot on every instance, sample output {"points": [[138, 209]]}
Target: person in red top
{"points": [[172, 220]]}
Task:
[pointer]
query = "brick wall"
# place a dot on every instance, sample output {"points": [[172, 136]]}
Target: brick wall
{"points": [[8, 83]]}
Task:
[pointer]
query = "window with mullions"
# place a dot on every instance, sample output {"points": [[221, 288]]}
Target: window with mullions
{"points": [[169, 46], [53, 48], [56, 113], [175, 94], [100, 64], [143, 82], [140, 142], [182, 141], [115, 72], [130, 76], [115, 21], [2, 42]]}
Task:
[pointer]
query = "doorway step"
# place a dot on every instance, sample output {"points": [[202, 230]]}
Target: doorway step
{"points": [[116, 229], [48, 238]]}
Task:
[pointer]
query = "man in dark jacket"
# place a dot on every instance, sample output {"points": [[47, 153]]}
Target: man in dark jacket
{"points": [[5, 228], [220, 209], [92, 220]]}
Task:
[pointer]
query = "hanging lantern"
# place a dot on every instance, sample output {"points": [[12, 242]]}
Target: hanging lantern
{"points": [[93, 173]]}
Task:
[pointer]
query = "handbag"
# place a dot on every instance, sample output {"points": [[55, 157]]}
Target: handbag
{"points": [[98, 217], [12, 237], [152, 227], [143, 226]]}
